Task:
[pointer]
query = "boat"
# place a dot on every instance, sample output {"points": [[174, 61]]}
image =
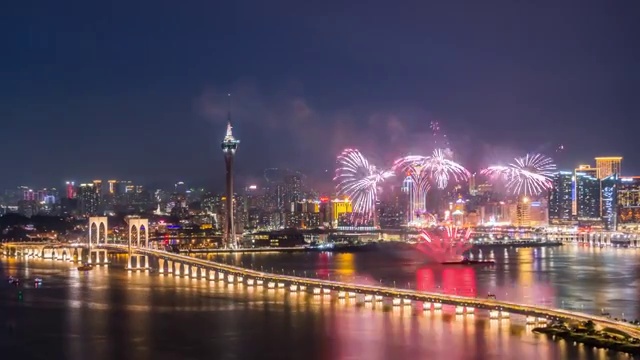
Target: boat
{"points": [[85, 267], [469, 262]]}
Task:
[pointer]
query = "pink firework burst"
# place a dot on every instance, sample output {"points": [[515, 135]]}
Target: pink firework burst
{"points": [[444, 244]]}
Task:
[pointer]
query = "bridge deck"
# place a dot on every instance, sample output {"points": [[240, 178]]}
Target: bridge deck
{"points": [[489, 304]]}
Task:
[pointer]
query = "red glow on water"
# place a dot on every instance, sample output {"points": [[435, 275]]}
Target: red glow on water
{"points": [[459, 281], [454, 280]]}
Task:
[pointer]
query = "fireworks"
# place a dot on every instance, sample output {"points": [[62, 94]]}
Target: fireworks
{"points": [[442, 169], [444, 244], [438, 167], [529, 175], [359, 180]]}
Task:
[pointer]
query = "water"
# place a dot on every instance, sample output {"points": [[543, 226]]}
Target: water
{"points": [[570, 277], [109, 313]]}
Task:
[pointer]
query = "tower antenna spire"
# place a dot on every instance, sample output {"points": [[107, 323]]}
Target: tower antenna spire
{"points": [[229, 134], [229, 108]]}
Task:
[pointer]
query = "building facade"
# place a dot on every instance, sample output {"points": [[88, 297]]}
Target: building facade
{"points": [[628, 201], [609, 165], [561, 198], [587, 197]]}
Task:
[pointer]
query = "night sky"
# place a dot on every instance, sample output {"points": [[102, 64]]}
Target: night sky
{"points": [[137, 89]]}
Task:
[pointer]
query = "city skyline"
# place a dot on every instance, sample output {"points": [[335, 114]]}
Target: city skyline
{"points": [[558, 81]]}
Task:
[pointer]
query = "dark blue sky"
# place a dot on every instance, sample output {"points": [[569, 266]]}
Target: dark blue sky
{"points": [[136, 89]]}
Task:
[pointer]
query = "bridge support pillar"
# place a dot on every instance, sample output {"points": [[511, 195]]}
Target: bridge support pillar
{"points": [[470, 310], [250, 281], [504, 315], [178, 267], [77, 255], [240, 279], [194, 272], [437, 306], [406, 302], [259, 282], [281, 285], [271, 285], [426, 305], [220, 276], [160, 266], [541, 320], [293, 288], [169, 267], [141, 262], [317, 291], [231, 278], [460, 310], [212, 275], [342, 294], [101, 257], [397, 301]]}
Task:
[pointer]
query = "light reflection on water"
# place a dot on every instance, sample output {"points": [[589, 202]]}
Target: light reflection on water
{"points": [[570, 277], [110, 313]]}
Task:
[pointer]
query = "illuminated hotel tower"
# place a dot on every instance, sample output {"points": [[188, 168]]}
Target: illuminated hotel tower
{"points": [[229, 147], [608, 166]]}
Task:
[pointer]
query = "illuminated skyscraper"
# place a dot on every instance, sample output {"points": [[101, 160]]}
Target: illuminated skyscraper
{"points": [[609, 186], [340, 207], [89, 199], [113, 187], [587, 170], [609, 165], [292, 190], [587, 196], [628, 204], [523, 212], [71, 190], [560, 198], [229, 146]]}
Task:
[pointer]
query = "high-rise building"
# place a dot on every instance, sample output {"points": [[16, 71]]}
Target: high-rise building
{"points": [[609, 196], [229, 146], [587, 170], [89, 200], [608, 165], [340, 207], [71, 190], [112, 187], [539, 212], [293, 190], [628, 204], [560, 198], [97, 185], [587, 196], [473, 190], [181, 188], [523, 212]]}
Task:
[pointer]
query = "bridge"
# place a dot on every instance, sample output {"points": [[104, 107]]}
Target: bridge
{"points": [[58, 251], [188, 266], [182, 265]]}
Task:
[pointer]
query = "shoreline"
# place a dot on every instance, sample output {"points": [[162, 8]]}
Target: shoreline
{"points": [[609, 339]]}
